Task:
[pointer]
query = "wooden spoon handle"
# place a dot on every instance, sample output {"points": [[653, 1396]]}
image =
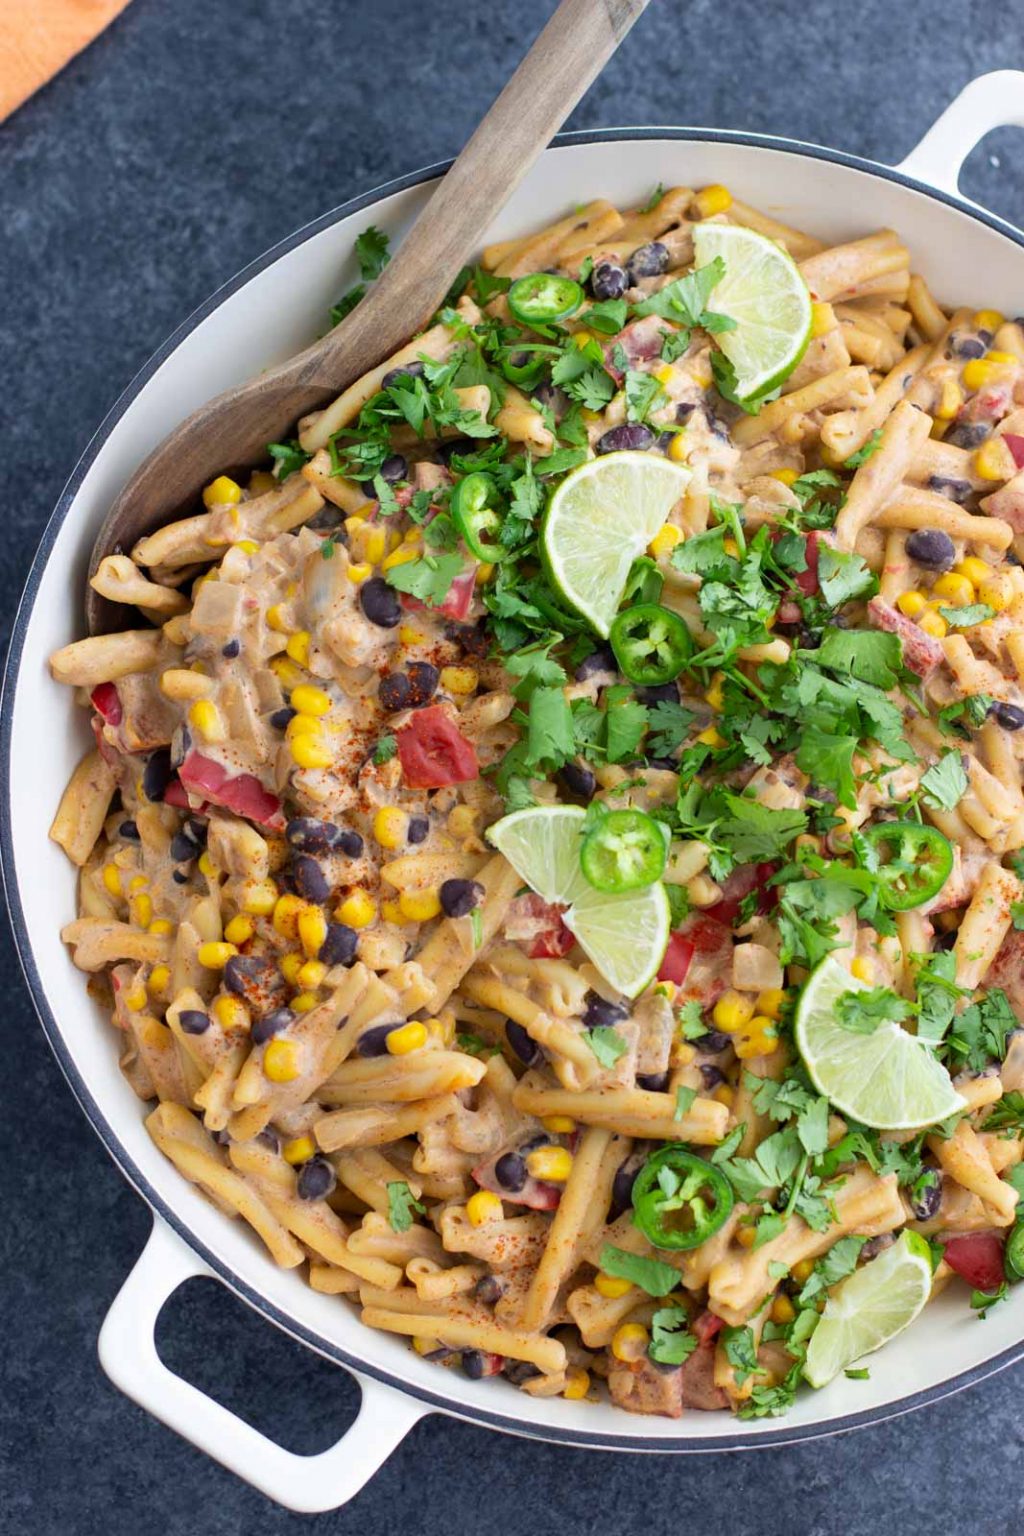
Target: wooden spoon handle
{"points": [[564, 61]]}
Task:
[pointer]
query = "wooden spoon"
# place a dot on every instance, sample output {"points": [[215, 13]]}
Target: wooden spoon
{"points": [[234, 428]]}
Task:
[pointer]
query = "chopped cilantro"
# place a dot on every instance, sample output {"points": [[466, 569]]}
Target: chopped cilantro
{"points": [[428, 578], [863, 1012], [651, 1275], [863, 454], [671, 1341], [372, 253], [606, 1043], [401, 1204], [385, 750], [945, 783], [287, 457]]}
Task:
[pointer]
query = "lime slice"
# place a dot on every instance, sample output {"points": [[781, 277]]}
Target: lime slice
{"points": [[889, 1080], [763, 291], [624, 934], [869, 1308], [600, 519]]}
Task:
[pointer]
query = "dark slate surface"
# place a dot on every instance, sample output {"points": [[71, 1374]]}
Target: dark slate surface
{"points": [[187, 140]]}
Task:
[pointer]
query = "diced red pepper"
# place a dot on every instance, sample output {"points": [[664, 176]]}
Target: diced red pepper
{"points": [[555, 942], [707, 1326], [978, 1258], [107, 703], [676, 960], [1015, 443], [738, 886], [175, 794], [240, 792], [433, 751], [458, 602]]}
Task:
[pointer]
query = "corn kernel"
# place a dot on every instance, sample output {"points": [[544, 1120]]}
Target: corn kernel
{"points": [[577, 1383], [358, 573], [862, 968], [462, 821], [731, 548], [406, 1038], [581, 338], [712, 737], [665, 374], [911, 603], [770, 1002], [141, 908], [159, 978], [664, 540], [712, 200], [412, 535], [239, 930], [309, 700], [286, 915], [419, 906], [425, 1346], [459, 680], [230, 1012], [290, 965], [207, 720], [161, 926], [286, 672], [1006, 358], [304, 725], [409, 635], [311, 975], [215, 955], [135, 999], [304, 1002], [222, 492], [823, 319], [357, 910], [552, 1164], [747, 1046], [732, 1011], [974, 569], [559, 1125], [249, 546], [137, 883], [996, 591], [112, 879], [783, 1310], [678, 448], [724, 1095], [400, 556], [375, 545], [629, 1342], [803, 1271], [391, 912], [954, 589], [951, 398], [932, 623], [207, 867], [980, 372], [746, 1237], [281, 1060], [354, 522], [683, 1054], [298, 648], [484, 573], [715, 695], [784, 476], [277, 621], [611, 1286], [483, 1207], [390, 826], [312, 930], [261, 481], [299, 1150], [260, 898], [311, 752], [988, 320], [994, 461], [442, 1029]]}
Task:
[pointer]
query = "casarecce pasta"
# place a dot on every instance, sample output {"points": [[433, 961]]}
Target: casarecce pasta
{"points": [[359, 1033]]}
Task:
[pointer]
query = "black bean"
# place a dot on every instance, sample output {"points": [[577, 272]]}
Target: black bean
{"points": [[601, 660], [329, 520], [926, 1194], [374, 1042], [966, 346], [622, 1186], [183, 849], [193, 1022], [268, 1137], [405, 371], [251, 976], [452, 447], [578, 780], [647, 261], [476, 1364], [310, 879], [608, 280], [470, 638], [231, 650], [489, 1289], [316, 1179], [271, 1024], [394, 468], [946, 940], [339, 947], [684, 410], [519, 1371], [653, 1082], [631, 435], [522, 1044], [393, 692], [222, 1138], [658, 693], [423, 681], [419, 829], [510, 1172], [986, 337], [197, 830], [713, 1043], [713, 1076], [460, 897], [157, 773], [600, 1013], [555, 399], [347, 842], [959, 491], [669, 764], [874, 1246], [179, 877], [1009, 716], [542, 1139], [970, 434], [309, 835], [282, 718], [180, 747], [380, 603], [129, 830], [931, 547]]}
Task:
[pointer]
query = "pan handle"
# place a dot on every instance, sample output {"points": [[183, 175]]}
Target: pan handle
{"points": [[992, 101], [307, 1484]]}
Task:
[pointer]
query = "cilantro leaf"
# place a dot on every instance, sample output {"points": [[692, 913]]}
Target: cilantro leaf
{"points": [[843, 577], [655, 198], [488, 284], [401, 1204], [828, 761], [372, 253], [669, 727], [971, 613], [1008, 1114], [428, 578], [863, 454], [651, 1275], [671, 1341], [979, 1034], [287, 457], [684, 1099], [644, 394], [625, 723], [863, 1012], [945, 783], [725, 383], [347, 303], [534, 664], [740, 1351], [606, 1043], [754, 833], [550, 740], [385, 750], [870, 655]]}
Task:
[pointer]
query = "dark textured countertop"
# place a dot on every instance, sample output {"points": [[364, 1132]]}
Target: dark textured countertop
{"points": [[187, 140]]}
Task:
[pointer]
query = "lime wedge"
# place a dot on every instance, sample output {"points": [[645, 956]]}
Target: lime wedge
{"points": [[600, 519], [763, 291], [624, 934], [869, 1308], [889, 1080]]}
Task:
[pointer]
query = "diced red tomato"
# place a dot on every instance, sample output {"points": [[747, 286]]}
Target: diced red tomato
{"points": [[806, 580], [676, 961], [555, 942], [175, 794], [107, 703], [978, 1258], [738, 886], [707, 1326], [458, 602], [699, 959], [241, 792], [1015, 443], [433, 752], [921, 653]]}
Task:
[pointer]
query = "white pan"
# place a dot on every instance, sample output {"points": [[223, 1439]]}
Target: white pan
{"points": [[268, 311]]}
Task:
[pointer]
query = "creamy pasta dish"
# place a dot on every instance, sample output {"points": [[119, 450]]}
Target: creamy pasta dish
{"points": [[553, 847]]}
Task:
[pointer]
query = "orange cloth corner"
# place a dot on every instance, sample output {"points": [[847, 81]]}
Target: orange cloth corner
{"points": [[38, 37]]}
